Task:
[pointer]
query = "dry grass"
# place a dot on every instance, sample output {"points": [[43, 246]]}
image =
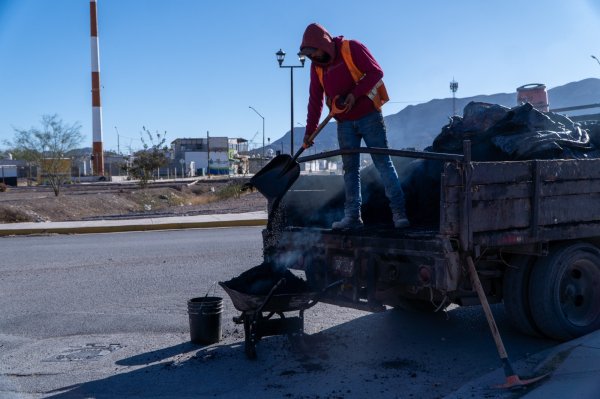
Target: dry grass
{"points": [[205, 197], [9, 214], [155, 199]]}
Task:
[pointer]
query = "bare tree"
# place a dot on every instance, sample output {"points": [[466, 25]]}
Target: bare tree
{"points": [[47, 147], [153, 156]]}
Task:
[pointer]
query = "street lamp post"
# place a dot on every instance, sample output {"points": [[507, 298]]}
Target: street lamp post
{"points": [[314, 147], [263, 139], [594, 57], [280, 57]]}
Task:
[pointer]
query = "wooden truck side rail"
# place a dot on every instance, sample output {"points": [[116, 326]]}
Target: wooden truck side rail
{"points": [[522, 202]]}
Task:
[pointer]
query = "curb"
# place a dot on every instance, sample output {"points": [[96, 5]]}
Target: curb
{"points": [[133, 225], [570, 367]]}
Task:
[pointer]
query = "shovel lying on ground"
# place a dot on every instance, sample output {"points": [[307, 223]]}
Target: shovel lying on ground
{"points": [[277, 176]]}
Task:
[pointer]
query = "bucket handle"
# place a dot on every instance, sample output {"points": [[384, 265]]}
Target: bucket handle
{"points": [[213, 287]]}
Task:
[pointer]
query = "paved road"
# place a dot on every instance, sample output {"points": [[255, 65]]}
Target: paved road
{"points": [[104, 315]]}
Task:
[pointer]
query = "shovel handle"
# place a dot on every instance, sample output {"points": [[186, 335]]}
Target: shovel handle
{"points": [[319, 128], [334, 111]]}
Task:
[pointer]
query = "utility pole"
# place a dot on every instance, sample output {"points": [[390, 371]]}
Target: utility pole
{"points": [[207, 154]]}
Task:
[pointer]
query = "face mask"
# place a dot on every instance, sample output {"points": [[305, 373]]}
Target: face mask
{"points": [[323, 59]]}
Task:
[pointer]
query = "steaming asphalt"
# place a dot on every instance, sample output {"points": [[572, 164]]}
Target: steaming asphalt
{"points": [[104, 316]]}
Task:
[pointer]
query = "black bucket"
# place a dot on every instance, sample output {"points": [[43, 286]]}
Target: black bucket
{"points": [[205, 319]]}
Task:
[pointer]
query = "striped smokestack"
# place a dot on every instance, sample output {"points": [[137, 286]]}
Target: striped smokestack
{"points": [[97, 151]]}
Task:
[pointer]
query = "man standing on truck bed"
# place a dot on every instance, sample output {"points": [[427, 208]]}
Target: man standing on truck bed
{"points": [[347, 69]]}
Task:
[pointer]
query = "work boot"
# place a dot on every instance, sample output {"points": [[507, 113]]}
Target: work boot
{"points": [[348, 223], [400, 221]]}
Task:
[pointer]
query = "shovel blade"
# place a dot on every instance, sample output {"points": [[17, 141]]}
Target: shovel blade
{"points": [[275, 179], [514, 381]]}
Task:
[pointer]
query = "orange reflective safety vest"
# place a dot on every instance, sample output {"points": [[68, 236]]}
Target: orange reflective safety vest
{"points": [[378, 93]]}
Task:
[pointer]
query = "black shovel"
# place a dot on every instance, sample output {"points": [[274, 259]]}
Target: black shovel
{"points": [[276, 177]]}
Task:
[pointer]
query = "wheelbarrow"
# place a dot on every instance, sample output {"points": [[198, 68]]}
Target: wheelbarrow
{"points": [[258, 311]]}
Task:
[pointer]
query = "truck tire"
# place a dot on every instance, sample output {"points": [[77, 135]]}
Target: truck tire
{"points": [[516, 295], [565, 293]]}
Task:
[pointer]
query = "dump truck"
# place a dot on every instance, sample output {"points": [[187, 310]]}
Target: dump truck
{"points": [[532, 229]]}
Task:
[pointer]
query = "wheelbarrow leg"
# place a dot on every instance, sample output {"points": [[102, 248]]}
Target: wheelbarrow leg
{"points": [[296, 337], [250, 337]]}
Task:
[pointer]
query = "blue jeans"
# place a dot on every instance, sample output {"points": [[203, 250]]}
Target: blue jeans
{"points": [[371, 128]]}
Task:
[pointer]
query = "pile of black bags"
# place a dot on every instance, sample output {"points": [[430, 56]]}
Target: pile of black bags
{"points": [[496, 133]]}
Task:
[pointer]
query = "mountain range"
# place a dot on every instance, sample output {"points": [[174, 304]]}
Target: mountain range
{"points": [[417, 125]]}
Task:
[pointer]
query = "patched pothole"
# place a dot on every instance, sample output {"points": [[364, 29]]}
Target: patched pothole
{"points": [[85, 352]]}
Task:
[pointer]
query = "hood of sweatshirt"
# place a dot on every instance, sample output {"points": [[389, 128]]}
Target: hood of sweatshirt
{"points": [[316, 37]]}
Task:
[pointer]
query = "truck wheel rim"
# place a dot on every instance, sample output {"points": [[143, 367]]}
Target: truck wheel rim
{"points": [[579, 296]]}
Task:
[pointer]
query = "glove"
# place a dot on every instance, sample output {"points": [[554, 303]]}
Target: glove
{"points": [[349, 102]]}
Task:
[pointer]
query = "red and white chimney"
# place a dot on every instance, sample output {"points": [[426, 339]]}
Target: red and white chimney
{"points": [[97, 150]]}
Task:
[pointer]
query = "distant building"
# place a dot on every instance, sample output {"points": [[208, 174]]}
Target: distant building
{"points": [[24, 169], [54, 167], [113, 165], [81, 165], [239, 146], [212, 155], [8, 175], [181, 146]]}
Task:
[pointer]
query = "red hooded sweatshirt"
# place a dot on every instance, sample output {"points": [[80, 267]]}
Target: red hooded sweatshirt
{"points": [[337, 78]]}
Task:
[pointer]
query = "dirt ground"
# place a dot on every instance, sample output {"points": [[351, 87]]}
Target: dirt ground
{"points": [[110, 201]]}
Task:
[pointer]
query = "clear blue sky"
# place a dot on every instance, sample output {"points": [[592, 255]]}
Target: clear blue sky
{"points": [[188, 66]]}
